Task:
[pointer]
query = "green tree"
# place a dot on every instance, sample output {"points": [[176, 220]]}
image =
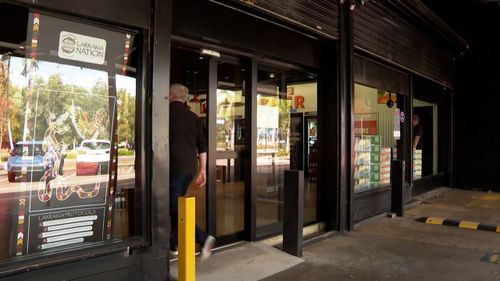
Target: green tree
{"points": [[124, 132], [131, 119], [4, 101]]}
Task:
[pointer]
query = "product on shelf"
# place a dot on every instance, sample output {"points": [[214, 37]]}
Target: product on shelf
{"points": [[376, 140], [417, 164], [362, 164], [313, 164], [372, 163]]}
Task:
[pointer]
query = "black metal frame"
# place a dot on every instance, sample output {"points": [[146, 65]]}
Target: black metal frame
{"points": [[251, 136], [137, 254], [211, 214]]}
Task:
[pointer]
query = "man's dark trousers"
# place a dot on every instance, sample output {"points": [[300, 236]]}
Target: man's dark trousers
{"points": [[178, 187]]}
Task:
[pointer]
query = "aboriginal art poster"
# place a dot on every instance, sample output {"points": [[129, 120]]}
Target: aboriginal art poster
{"points": [[67, 133]]}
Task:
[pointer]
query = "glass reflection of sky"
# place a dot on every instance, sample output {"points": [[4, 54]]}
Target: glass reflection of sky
{"points": [[72, 75]]}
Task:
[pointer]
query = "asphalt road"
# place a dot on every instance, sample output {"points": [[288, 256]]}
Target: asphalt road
{"points": [[69, 176]]}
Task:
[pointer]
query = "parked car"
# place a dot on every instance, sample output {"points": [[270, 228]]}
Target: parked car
{"points": [[93, 157], [30, 156]]}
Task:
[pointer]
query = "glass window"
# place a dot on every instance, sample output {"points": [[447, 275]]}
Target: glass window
{"points": [[376, 131], [286, 139], [67, 133]]}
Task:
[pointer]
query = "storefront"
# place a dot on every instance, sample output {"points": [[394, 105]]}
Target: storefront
{"points": [[84, 152], [403, 81]]}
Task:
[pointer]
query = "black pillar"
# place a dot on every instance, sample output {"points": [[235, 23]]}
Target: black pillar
{"points": [[250, 89], [398, 187], [346, 95], [159, 69], [293, 216]]}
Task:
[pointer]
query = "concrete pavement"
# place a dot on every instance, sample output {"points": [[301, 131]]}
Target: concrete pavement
{"points": [[404, 249], [245, 262]]}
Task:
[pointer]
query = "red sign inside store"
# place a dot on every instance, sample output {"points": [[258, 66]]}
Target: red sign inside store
{"points": [[365, 127]]}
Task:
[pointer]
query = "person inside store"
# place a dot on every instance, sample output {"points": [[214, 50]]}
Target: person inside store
{"points": [[418, 132], [188, 159]]}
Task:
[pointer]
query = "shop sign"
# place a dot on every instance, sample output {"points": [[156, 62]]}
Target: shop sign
{"points": [[397, 125], [73, 46], [365, 127]]}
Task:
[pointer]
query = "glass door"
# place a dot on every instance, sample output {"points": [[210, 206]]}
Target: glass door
{"points": [[192, 70], [283, 124], [228, 148], [217, 96], [286, 124]]}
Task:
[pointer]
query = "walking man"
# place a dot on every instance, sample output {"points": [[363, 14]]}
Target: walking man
{"points": [[188, 144]]}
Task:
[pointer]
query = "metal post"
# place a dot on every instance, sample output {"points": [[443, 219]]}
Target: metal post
{"points": [[293, 213], [187, 213], [398, 187]]}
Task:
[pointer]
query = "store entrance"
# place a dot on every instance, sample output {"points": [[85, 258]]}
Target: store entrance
{"points": [[259, 128], [217, 95]]}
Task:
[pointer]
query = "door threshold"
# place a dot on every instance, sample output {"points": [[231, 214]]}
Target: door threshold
{"points": [[215, 250], [306, 231]]}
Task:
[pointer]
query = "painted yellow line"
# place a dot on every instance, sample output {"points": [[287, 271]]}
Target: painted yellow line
{"points": [[490, 197], [498, 229], [434, 220], [468, 224], [494, 258]]}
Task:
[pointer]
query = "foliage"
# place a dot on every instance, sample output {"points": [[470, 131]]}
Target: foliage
{"points": [[71, 154], [126, 117], [125, 152], [52, 96], [284, 124]]}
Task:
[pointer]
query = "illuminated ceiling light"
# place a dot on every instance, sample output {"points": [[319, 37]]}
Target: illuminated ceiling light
{"points": [[271, 75], [210, 53]]}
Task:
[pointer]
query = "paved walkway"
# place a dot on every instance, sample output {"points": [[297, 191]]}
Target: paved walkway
{"points": [[404, 249], [246, 262]]}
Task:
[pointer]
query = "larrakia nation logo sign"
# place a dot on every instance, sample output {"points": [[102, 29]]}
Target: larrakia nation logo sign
{"points": [[73, 46]]}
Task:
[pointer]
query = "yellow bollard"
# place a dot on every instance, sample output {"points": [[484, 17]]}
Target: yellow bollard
{"points": [[186, 222]]}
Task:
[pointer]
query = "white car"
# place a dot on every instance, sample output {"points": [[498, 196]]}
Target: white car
{"points": [[93, 157]]}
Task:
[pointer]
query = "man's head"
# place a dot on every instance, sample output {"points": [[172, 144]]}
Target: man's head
{"points": [[415, 119], [178, 92]]}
